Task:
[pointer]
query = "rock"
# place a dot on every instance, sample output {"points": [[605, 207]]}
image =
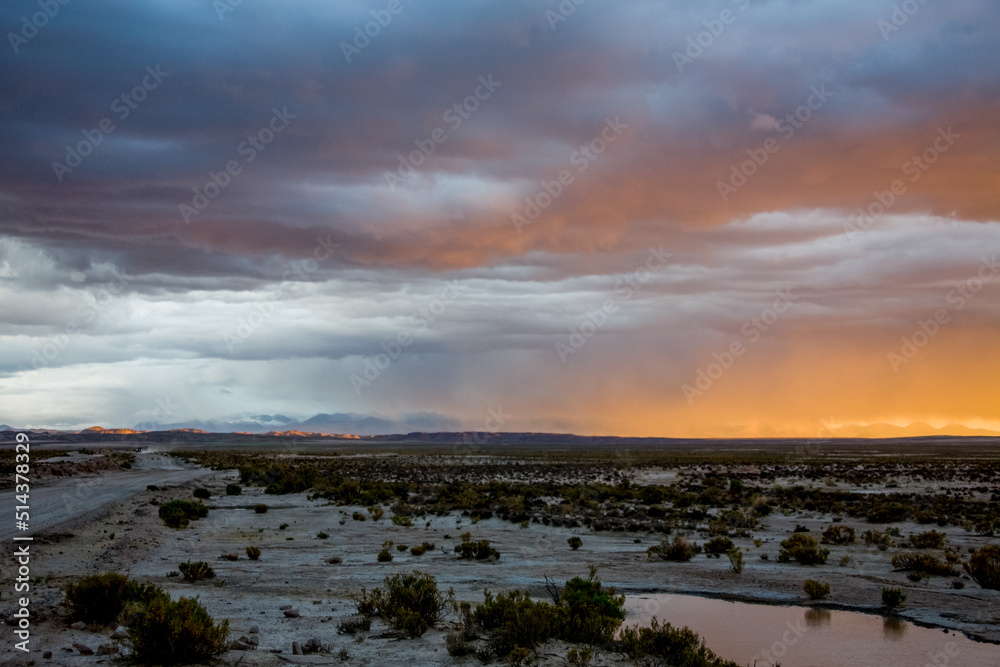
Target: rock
{"points": [[254, 641], [79, 625], [284, 607], [291, 613], [254, 630], [121, 632], [317, 602], [296, 649], [325, 619], [67, 649], [240, 646], [83, 649], [47, 655], [107, 649]]}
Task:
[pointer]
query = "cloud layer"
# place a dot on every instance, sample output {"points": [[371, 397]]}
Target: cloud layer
{"points": [[638, 218]]}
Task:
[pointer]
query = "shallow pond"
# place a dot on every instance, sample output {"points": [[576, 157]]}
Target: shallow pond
{"points": [[810, 637]]}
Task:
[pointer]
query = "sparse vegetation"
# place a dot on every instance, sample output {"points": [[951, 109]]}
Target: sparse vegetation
{"points": [[352, 625], [480, 550], [921, 563], [100, 598], [253, 553], [196, 571], [202, 493], [167, 632], [574, 543], [984, 566], [385, 555], [409, 603], [233, 489], [815, 589], [664, 645], [893, 598], [838, 534], [803, 549], [735, 560], [260, 508], [930, 539], [376, 512], [178, 513], [679, 549]]}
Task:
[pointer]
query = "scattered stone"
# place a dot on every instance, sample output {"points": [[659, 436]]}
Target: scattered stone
{"points": [[67, 649], [317, 602], [121, 632], [79, 625], [284, 607], [254, 641], [240, 646], [254, 630], [296, 649], [83, 649], [291, 613], [107, 649], [47, 655], [325, 619]]}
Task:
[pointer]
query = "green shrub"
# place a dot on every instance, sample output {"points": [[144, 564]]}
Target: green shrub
{"points": [[888, 512], [893, 598], [352, 625], [718, 545], [815, 589], [385, 555], [803, 549], [881, 539], [322, 536], [984, 567], [480, 550], [574, 543], [165, 632], [358, 516], [667, 645], [930, 539], [923, 563], [202, 493], [233, 489], [591, 614], [253, 553], [196, 571], [100, 598], [421, 549], [177, 513], [402, 520], [376, 511], [838, 535], [735, 559], [260, 508], [410, 603], [679, 549], [514, 620]]}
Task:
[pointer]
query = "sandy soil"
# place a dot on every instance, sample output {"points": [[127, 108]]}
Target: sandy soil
{"points": [[113, 526]]}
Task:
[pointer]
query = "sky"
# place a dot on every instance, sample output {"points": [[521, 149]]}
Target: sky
{"points": [[724, 217]]}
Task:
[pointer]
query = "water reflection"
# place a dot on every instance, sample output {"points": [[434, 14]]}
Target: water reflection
{"points": [[893, 628], [817, 617]]}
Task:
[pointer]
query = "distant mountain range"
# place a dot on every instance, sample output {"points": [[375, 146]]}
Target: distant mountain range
{"points": [[342, 422]]}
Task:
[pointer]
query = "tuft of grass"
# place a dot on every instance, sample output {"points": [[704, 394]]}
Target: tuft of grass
{"points": [[253, 553], [816, 590], [196, 571], [893, 598], [260, 508]]}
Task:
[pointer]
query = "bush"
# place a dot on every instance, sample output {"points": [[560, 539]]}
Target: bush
{"points": [[100, 598], [421, 549], [202, 493], [514, 621], [457, 645], [233, 489], [385, 555], [816, 590], [838, 535], [165, 632], [401, 520], [196, 571], [376, 512], [253, 553], [878, 538], [922, 563], [718, 545], [480, 550], [410, 603], [735, 560], [984, 567], [352, 625], [893, 598], [680, 549], [803, 549], [930, 539], [177, 513], [314, 646], [667, 645], [574, 543], [260, 508], [358, 516], [322, 536], [592, 614]]}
